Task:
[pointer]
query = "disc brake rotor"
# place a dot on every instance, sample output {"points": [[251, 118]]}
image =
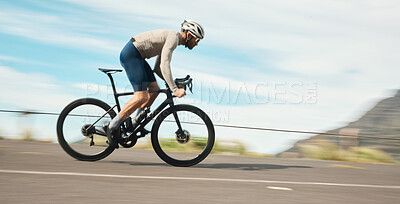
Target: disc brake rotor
{"points": [[182, 137]]}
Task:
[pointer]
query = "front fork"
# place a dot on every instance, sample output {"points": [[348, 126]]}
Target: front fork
{"points": [[182, 136]]}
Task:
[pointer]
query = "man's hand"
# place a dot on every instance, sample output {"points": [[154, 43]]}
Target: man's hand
{"points": [[180, 93]]}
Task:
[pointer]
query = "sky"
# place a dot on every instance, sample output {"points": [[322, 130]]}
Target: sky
{"points": [[297, 65]]}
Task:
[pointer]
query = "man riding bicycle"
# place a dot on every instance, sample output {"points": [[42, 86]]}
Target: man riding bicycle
{"points": [[160, 43]]}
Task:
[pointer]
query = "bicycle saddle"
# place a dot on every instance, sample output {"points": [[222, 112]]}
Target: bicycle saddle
{"points": [[110, 70]]}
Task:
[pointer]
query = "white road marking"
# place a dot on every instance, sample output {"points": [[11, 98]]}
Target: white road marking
{"points": [[197, 179], [279, 188], [38, 153]]}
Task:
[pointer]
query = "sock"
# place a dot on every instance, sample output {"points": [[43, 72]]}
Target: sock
{"points": [[136, 114], [115, 122]]}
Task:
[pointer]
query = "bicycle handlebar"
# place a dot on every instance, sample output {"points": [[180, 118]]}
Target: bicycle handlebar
{"points": [[180, 82], [187, 81]]}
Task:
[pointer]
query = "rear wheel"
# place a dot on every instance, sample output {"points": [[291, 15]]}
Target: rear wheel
{"points": [[76, 134], [189, 146]]}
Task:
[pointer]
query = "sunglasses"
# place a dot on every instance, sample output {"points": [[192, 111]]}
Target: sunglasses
{"points": [[197, 39]]}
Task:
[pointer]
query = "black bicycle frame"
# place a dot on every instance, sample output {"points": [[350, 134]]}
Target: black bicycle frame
{"points": [[169, 101]]}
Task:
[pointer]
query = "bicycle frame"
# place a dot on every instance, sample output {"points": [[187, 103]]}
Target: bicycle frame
{"points": [[168, 101], [68, 126]]}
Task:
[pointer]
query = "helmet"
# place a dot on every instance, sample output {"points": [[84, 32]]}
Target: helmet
{"points": [[193, 27]]}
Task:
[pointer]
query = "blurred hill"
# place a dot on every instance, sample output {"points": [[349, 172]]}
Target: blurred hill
{"points": [[383, 120]]}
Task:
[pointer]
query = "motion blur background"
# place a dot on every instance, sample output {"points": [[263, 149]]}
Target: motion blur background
{"points": [[292, 65]]}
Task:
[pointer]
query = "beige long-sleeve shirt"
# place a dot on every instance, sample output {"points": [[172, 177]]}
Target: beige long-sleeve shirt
{"points": [[160, 43]]}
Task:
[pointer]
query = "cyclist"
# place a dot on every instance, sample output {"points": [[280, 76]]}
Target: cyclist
{"points": [[160, 43]]}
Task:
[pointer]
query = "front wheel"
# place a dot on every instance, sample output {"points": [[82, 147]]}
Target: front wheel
{"points": [[185, 146]]}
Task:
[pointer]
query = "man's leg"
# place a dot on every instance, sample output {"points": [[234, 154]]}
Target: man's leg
{"points": [[139, 98], [151, 96]]}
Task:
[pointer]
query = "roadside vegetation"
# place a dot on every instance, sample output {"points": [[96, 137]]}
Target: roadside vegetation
{"points": [[233, 148], [321, 149], [27, 135], [326, 150]]}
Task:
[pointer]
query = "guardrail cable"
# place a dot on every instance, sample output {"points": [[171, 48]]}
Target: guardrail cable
{"points": [[220, 125]]}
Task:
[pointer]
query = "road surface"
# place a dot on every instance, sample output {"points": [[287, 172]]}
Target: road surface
{"points": [[33, 172]]}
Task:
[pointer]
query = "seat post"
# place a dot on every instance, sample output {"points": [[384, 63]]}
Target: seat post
{"points": [[115, 92]]}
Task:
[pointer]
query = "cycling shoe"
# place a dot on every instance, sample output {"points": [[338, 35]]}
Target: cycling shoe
{"points": [[112, 136]]}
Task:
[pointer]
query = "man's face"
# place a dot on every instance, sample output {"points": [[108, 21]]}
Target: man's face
{"points": [[193, 41]]}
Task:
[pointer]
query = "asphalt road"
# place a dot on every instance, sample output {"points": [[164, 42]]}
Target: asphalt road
{"points": [[32, 172]]}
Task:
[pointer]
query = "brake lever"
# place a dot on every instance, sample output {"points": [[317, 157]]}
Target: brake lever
{"points": [[190, 85]]}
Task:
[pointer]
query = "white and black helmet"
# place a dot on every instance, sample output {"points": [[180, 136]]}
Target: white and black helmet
{"points": [[193, 28]]}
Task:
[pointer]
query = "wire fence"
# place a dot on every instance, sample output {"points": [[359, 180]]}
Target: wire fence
{"points": [[221, 125]]}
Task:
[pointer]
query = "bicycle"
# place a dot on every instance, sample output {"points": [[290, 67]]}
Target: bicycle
{"points": [[181, 135]]}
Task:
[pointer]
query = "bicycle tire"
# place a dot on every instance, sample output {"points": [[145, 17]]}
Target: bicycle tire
{"points": [[155, 136], [60, 127]]}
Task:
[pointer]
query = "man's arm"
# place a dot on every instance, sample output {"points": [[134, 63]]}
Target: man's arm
{"points": [[165, 61], [157, 68]]}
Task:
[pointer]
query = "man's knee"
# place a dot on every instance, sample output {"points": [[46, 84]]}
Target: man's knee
{"points": [[153, 86], [143, 98]]}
